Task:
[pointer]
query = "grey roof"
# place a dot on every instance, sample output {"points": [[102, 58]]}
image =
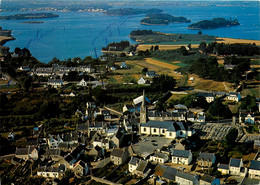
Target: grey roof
{"points": [[142, 166], [161, 155], [206, 156], [170, 173], [206, 94], [187, 176], [54, 151], [207, 178], [158, 124], [234, 162], [223, 166], [255, 165], [21, 151], [117, 152], [257, 142], [134, 161], [181, 153]]}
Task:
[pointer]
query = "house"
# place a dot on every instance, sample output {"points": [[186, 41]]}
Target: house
{"points": [[56, 83], [102, 143], [150, 74], [117, 139], [97, 152], [208, 96], [142, 168], [209, 180], [235, 166], [229, 67], [80, 168], [223, 168], [51, 171], [82, 83], [165, 172], [232, 96], [129, 108], [99, 126], [257, 144], [206, 159], [119, 156], [246, 117], [54, 143], [27, 153], [183, 157], [254, 170], [54, 154], [11, 136], [133, 163], [168, 129], [123, 65], [186, 178], [190, 116], [141, 81], [159, 158]]}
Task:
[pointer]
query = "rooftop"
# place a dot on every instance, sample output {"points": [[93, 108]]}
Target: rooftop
{"points": [[181, 153]]}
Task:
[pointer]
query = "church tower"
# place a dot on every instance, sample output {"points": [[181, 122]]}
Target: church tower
{"points": [[143, 111]]}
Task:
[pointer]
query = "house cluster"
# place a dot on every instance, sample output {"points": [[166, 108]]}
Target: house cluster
{"points": [[60, 70], [147, 79], [236, 167]]}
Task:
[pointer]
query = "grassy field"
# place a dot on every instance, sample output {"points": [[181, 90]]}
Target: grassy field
{"points": [[234, 41]]}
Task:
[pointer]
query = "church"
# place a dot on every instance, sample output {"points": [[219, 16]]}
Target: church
{"points": [[168, 129]]}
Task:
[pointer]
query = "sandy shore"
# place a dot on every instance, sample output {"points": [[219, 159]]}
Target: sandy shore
{"points": [[4, 39]]}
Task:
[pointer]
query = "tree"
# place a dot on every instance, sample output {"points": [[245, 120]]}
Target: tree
{"points": [[144, 70], [183, 51], [231, 136], [3, 100], [163, 83], [156, 47], [151, 49], [199, 32], [220, 110]]}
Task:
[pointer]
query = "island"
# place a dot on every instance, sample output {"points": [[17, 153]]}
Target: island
{"points": [[162, 19], [131, 11], [29, 16], [214, 23], [149, 36], [33, 22]]}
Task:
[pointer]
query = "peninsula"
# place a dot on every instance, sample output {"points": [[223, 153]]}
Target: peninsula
{"points": [[162, 19], [149, 36], [214, 23], [29, 16], [5, 35], [131, 11]]}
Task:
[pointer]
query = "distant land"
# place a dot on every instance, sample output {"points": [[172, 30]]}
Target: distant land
{"points": [[162, 19], [29, 16], [131, 11], [214, 23], [5, 35], [149, 36], [33, 22]]}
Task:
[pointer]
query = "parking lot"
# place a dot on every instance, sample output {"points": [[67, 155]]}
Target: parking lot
{"points": [[148, 145]]}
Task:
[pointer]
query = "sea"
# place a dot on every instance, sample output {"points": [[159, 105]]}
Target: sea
{"points": [[81, 34]]}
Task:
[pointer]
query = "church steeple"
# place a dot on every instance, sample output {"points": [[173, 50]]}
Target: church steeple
{"points": [[143, 112]]}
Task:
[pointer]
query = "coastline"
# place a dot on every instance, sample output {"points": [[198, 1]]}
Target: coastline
{"points": [[4, 39]]}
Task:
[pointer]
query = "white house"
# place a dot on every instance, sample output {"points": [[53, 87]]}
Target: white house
{"points": [[133, 164], [55, 83], [51, 171], [186, 179], [254, 170], [83, 83], [223, 168], [232, 96], [141, 81], [183, 157], [235, 166], [159, 158]]}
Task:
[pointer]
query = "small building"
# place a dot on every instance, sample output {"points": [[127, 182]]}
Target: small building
{"points": [[235, 166], [80, 168], [186, 178], [83, 83], [206, 159], [54, 154], [123, 65], [56, 83], [129, 108], [150, 74], [142, 168], [183, 157], [166, 173], [209, 180], [51, 171], [229, 67], [159, 158], [119, 156], [141, 81], [232, 96], [257, 144], [208, 96], [133, 163], [223, 168], [27, 153], [254, 169]]}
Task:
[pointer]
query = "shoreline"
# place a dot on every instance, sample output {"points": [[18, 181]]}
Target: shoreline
{"points": [[4, 40]]}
